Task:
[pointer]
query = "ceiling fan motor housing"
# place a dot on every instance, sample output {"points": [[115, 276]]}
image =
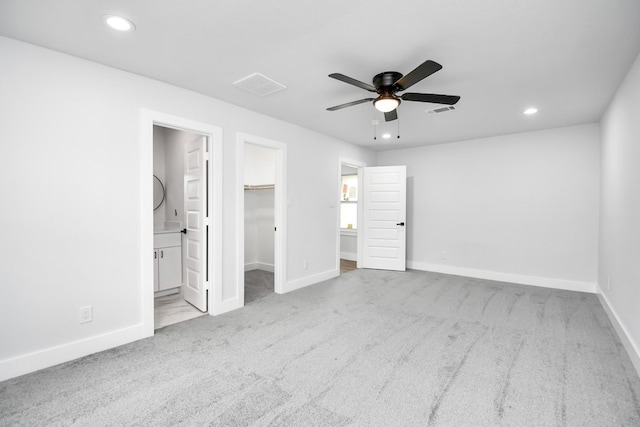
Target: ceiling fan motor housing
{"points": [[385, 81]]}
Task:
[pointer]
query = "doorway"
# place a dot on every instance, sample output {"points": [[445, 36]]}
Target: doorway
{"points": [[188, 173], [261, 233], [180, 246], [259, 221], [348, 196]]}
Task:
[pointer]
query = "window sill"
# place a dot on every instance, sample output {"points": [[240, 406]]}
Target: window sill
{"points": [[348, 232]]}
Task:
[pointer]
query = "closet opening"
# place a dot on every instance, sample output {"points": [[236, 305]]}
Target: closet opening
{"points": [[261, 232], [259, 221]]}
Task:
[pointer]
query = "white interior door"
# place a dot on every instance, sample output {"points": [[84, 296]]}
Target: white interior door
{"points": [[195, 217], [383, 230]]}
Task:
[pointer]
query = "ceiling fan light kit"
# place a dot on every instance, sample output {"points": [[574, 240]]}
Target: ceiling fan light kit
{"points": [[387, 84], [386, 104]]}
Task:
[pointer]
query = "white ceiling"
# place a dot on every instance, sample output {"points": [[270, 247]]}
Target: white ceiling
{"points": [[566, 57]]}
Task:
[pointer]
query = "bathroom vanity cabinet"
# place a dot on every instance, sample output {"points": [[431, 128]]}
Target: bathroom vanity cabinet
{"points": [[167, 261]]}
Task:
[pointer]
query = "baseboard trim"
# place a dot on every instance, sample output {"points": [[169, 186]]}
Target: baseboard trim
{"points": [[228, 305], [31, 362], [348, 256], [545, 282], [632, 348], [310, 280], [258, 266]]}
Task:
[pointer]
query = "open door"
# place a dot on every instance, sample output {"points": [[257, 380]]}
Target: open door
{"points": [[195, 202], [383, 231]]}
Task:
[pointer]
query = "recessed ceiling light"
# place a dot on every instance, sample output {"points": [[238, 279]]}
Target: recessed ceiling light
{"points": [[118, 23], [386, 135], [530, 111]]}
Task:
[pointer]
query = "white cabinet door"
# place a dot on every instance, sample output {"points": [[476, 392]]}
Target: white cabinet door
{"points": [[155, 270], [169, 267], [384, 215]]}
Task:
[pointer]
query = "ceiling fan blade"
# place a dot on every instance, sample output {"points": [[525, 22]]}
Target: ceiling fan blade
{"points": [[349, 104], [351, 81], [424, 70], [391, 115], [431, 97]]}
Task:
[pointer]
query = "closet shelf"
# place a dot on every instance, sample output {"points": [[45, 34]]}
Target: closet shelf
{"points": [[259, 187]]}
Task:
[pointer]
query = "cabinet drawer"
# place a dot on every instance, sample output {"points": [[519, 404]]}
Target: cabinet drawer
{"points": [[167, 239]]}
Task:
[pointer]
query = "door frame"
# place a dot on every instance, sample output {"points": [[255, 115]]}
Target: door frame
{"points": [[354, 164], [280, 211], [148, 119]]}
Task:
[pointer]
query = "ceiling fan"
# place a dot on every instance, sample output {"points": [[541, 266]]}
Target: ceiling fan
{"points": [[387, 84]]}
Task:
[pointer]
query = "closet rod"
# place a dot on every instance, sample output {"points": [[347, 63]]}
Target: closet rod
{"points": [[259, 187]]}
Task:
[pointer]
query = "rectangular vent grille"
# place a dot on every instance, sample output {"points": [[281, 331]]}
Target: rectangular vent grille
{"points": [[441, 109], [259, 84]]}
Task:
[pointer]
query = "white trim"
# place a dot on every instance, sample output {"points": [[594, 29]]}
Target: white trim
{"points": [[356, 164], [258, 266], [31, 362], [545, 282], [632, 348], [311, 280], [350, 256], [348, 232], [231, 304], [359, 236], [280, 212], [214, 136]]}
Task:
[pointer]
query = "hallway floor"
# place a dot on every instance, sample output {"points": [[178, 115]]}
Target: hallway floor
{"points": [[347, 266]]}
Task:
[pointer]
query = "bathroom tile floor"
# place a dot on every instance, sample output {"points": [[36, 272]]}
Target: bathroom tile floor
{"points": [[173, 309]]}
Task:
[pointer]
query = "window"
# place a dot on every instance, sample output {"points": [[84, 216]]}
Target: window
{"points": [[349, 202]]}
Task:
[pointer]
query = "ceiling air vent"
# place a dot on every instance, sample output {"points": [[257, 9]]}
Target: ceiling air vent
{"points": [[259, 84], [441, 109]]}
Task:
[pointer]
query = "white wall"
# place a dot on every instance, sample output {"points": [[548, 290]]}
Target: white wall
{"points": [[259, 165], [619, 260], [174, 170], [159, 156], [70, 166], [520, 208], [348, 245]]}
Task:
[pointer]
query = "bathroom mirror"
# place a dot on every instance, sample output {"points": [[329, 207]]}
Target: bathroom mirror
{"points": [[158, 193]]}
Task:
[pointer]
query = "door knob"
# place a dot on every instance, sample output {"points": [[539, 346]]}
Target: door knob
{"points": [[400, 223], [183, 231]]}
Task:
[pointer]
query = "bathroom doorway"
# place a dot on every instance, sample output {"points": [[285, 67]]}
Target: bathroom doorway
{"points": [[180, 170], [208, 214]]}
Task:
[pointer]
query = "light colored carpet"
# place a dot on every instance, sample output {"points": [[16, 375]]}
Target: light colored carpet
{"points": [[368, 348]]}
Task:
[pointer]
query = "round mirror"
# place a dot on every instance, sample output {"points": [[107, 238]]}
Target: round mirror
{"points": [[158, 193]]}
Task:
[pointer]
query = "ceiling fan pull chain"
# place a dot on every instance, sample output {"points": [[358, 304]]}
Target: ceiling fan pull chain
{"points": [[374, 122], [398, 121]]}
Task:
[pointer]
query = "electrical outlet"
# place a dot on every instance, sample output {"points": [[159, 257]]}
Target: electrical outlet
{"points": [[85, 314], [305, 264], [443, 255]]}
